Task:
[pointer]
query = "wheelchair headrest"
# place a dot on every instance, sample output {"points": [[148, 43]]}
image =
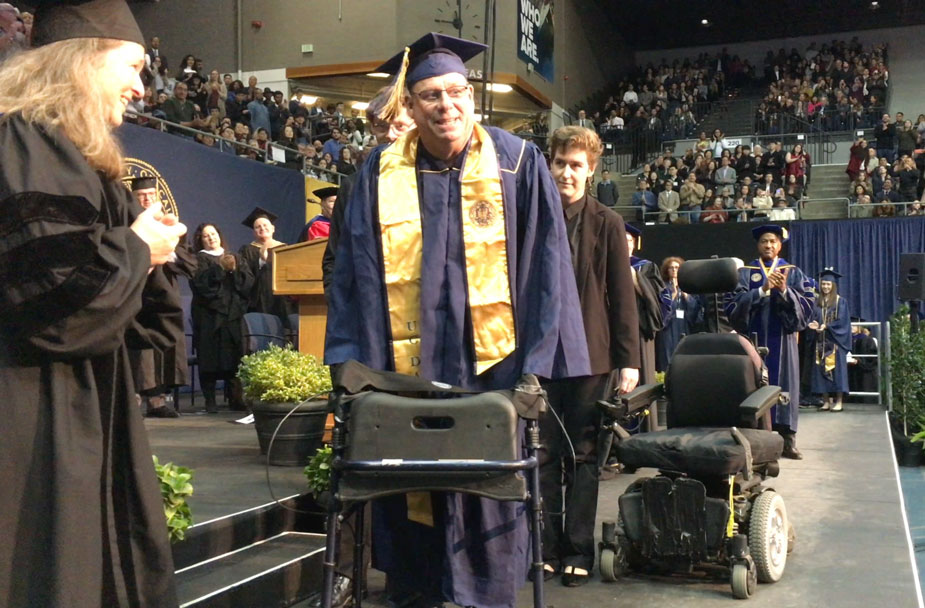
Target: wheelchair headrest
{"points": [[717, 275]]}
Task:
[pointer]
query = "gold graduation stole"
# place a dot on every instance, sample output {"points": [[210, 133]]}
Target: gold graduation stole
{"points": [[485, 245], [485, 242]]}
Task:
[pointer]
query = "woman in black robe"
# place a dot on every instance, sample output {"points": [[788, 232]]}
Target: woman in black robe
{"points": [[81, 516], [220, 289], [256, 255]]}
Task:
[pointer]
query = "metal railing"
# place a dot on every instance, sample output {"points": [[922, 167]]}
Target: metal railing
{"points": [[903, 209], [226, 145], [733, 214], [884, 388]]}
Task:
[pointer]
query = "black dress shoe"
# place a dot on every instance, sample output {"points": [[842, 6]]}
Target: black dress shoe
{"points": [[792, 453], [162, 412], [342, 595]]}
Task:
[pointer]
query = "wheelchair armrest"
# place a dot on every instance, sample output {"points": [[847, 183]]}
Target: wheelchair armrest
{"points": [[641, 396], [758, 403]]}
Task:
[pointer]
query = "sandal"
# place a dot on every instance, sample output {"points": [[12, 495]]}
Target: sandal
{"points": [[549, 572], [571, 577]]}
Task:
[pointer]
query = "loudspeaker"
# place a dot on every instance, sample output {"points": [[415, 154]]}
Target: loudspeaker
{"points": [[911, 276]]}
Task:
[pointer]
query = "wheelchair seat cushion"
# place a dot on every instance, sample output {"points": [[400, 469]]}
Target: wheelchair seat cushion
{"points": [[699, 451]]}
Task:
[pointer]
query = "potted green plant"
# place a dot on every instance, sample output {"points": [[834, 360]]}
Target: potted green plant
{"points": [[175, 489], [907, 356], [287, 392]]}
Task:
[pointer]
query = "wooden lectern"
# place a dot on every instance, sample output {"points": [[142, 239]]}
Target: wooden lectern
{"points": [[297, 272]]}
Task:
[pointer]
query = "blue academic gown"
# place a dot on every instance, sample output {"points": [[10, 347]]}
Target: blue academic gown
{"points": [[478, 551], [776, 319], [676, 327], [837, 335]]}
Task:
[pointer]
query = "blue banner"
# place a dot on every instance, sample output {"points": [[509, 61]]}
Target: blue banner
{"points": [[536, 36], [201, 184]]}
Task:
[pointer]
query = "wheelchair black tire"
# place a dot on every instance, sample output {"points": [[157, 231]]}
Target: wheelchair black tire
{"points": [[768, 530]]}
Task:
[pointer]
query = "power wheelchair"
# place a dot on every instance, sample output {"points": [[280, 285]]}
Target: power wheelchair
{"points": [[706, 507]]}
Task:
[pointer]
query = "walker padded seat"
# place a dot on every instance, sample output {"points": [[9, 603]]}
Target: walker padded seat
{"points": [[708, 386]]}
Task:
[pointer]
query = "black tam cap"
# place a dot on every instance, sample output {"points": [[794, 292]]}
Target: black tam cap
{"points": [[143, 183], [258, 213], [829, 274], [323, 193], [57, 20]]}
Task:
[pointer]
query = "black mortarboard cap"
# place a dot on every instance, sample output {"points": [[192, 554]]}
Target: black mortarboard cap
{"points": [[829, 274], [780, 231], [142, 183], [323, 193], [258, 213], [431, 55], [57, 20]]}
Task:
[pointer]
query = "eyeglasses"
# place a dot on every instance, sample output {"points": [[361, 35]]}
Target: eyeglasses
{"points": [[435, 95]]}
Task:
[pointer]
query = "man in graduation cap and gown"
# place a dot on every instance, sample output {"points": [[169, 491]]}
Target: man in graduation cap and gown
{"points": [[81, 515], [453, 264], [256, 255], [319, 227], [832, 325], [157, 370], [774, 300]]}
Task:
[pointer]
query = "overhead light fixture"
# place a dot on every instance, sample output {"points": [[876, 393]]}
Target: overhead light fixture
{"points": [[498, 87], [378, 75], [705, 22], [360, 105]]}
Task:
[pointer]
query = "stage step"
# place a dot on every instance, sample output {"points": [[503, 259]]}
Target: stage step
{"points": [[279, 571]]}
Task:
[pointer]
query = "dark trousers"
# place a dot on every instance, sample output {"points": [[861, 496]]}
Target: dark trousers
{"points": [[568, 535]]}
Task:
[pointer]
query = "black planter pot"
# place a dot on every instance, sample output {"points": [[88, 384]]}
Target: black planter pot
{"points": [[908, 454], [298, 438]]}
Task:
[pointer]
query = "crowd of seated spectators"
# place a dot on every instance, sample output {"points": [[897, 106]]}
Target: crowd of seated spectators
{"points": [[836, 87], [715, 183], [667, 101], [250, 121]]}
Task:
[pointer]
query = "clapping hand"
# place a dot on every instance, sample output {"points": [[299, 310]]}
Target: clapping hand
{"points": [[160, 231]]}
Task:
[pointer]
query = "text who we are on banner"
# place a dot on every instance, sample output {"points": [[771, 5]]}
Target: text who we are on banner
{"points": [[535, 36]]}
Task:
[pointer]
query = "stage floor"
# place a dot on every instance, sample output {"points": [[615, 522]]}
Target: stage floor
{"points": [[853, 546]]}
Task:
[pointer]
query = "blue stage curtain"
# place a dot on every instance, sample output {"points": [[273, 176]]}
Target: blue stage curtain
{"points": [[866, 251]]}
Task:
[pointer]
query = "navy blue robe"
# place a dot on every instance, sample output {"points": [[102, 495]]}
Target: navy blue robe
{"points": [[837, 334], [776, 318], [478, 552], [676, 327]]}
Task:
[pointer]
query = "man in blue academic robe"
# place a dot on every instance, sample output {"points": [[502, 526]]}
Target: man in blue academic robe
{"points": [[453, 264], [774, 300]]}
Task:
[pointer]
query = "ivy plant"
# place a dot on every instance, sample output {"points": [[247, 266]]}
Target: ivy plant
{"points": [[175, 489], [283, 375], [318, 471]]}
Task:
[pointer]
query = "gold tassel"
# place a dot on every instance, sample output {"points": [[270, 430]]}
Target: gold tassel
{"points": [[392, 107]]}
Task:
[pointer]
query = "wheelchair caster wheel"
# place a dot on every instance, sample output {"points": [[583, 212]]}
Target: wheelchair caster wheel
{"points": [[613, 565], [744, 581]]}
